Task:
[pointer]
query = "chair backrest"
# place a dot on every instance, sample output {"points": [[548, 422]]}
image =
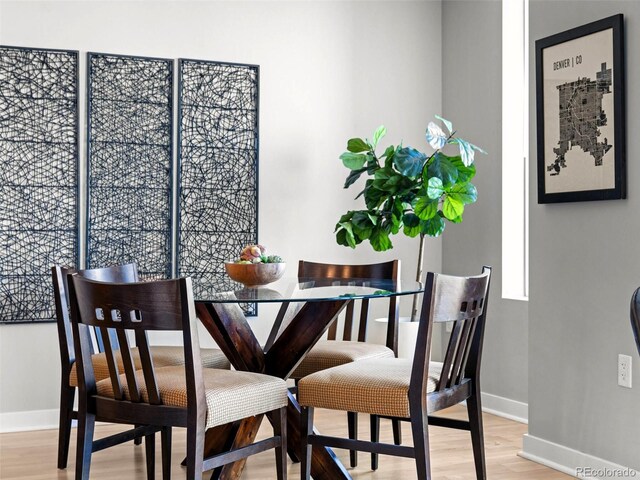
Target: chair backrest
{"points": [[136, 307], [386, 270], [635, 316], [127, 273], [462, 300]]}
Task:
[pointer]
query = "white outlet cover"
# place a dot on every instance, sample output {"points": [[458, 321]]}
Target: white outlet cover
{"points": [[624, 370]]}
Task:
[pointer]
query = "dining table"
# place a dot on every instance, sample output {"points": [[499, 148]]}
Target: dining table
{"points": [[308, 307]]}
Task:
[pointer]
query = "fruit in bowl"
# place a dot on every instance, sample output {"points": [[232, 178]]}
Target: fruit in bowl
{"points": [[255, 268]]}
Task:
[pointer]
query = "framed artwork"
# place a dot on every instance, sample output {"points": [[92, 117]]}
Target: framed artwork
{"points": [[129, 162], [218, 170], [580, 113], [38, 177]]}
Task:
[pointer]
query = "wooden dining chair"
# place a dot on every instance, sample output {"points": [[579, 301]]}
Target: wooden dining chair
{"points": [[163, 355], [351, 346], [410, 390], [635, 316], [161, 397]]}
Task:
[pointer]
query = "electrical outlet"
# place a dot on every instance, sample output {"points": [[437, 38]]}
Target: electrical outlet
{"points": [[448, 327], [624, 370]]}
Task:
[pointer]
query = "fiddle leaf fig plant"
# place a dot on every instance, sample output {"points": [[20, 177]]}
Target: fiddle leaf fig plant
{"points": [[407, 190]]}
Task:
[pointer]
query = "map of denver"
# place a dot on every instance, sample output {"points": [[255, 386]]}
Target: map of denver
{"points": [[580, 116]]}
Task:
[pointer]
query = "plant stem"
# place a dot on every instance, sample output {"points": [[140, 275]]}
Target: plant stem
{"points": [[414, 308]]}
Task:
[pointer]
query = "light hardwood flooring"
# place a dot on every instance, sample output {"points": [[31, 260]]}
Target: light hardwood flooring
{"points": [[32, 455]]}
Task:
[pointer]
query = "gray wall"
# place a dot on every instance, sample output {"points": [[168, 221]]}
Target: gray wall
{"points": [[329, 71], [584, 268], [472, 99]]}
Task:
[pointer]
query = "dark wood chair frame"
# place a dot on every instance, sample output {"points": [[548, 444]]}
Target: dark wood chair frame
{"points": [[447, 298], [635, 316], [122, 274], [385, 270], [142, 307]]}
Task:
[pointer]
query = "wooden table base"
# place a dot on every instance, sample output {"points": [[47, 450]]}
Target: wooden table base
{"points": [[229, 328]]}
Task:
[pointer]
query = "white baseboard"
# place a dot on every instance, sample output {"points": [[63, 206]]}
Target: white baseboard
{"points": [[572, 462], [30, 420], [505, 407]]}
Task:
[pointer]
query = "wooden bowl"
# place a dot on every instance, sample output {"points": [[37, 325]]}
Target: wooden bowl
{"points": [[254, 274]]}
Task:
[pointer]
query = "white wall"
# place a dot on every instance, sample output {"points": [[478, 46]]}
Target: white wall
{"points": [[329, 71]]}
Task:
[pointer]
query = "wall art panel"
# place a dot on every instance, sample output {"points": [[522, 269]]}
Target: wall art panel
{"points": [[38, 177], [129, 151], [218, 157]]}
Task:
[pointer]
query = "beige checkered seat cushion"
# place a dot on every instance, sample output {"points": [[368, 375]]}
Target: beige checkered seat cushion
{"points": [[163, 356], [331, 353], [378, 386], [230, 395]]}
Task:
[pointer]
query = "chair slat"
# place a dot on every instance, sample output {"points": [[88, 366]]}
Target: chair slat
{"points": [[348, 322], [114, 373], [129, 366], [364, 320], [467, 351], [460, 352], [449, 355], [147, 367]]}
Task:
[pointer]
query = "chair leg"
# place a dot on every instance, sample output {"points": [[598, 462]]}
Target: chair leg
{"points": [[474, 409], [280, 429], [397, 432], [375, 437], [306, 428], [150, 455], [67, 395], [195, 451], [420, 431], [86, 425], [165, 438], [137, 440], [352, 422]]}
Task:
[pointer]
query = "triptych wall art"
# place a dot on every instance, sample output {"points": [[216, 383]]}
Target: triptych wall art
{"points": [[177, 197]]}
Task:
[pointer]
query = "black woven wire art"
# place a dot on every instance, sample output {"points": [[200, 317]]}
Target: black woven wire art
{"points": [[38, 177], [218, 181], [129, 111]]}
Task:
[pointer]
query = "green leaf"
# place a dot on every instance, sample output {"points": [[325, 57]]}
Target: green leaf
{"points": [[426, 208], [464, 173], [373, 218], [353, 161], [442, 168], [341, 237], [377, 136], [466, 151], [362, 225], [411, 224], [409, 161], [351, 240], [353, 176], [447, 123], [432, 227], [389, 151], [464, 193], [380, 240], [435, 189], [357, 145], [373, 197], [452, 207]]}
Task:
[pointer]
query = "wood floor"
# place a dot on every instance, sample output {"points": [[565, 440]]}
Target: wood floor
{"points": [[32, 455]]}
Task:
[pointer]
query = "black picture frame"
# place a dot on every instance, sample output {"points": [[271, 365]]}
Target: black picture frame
{"points": [[580, 107]]}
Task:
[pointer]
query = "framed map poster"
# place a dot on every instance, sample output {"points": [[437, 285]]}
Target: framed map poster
{"points": [[580, 113]]}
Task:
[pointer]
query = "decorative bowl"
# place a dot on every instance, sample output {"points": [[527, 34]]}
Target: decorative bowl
{"points": [[255, 274]]}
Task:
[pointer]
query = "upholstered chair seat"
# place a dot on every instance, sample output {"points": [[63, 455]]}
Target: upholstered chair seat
{"points": [[332, 353], [378, 386], [163, 356], [230, 395]]}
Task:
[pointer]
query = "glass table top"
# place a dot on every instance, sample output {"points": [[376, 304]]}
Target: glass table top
{"points": [[309, 290]]}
